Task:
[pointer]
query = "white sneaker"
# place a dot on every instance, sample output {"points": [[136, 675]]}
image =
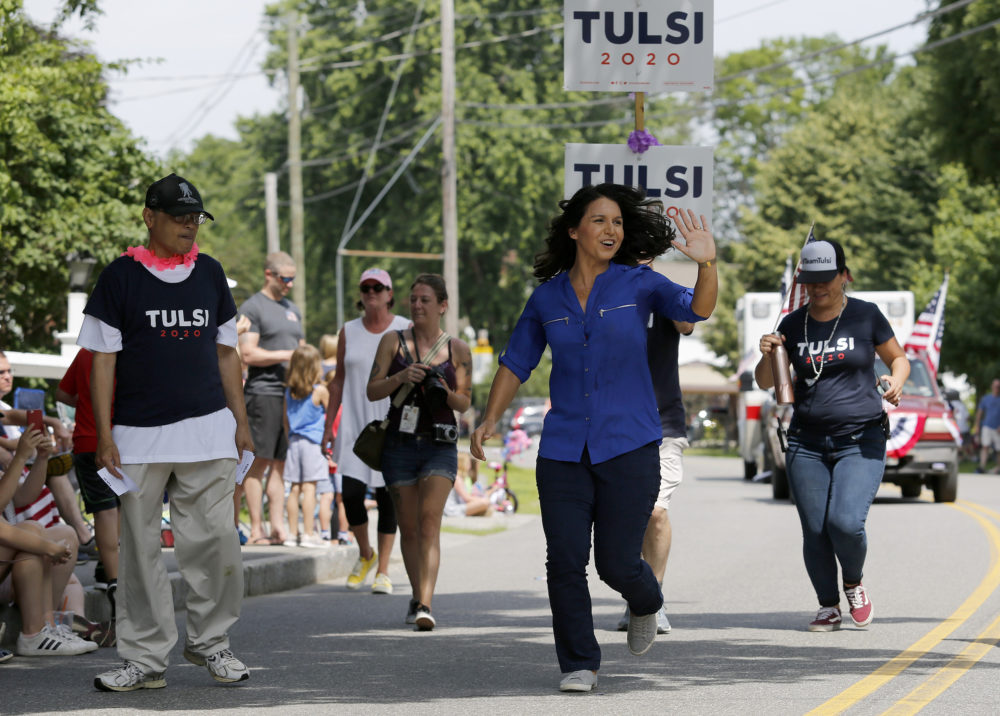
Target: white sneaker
{"points": [[583, 680], [662, 623], [128, 677], [641, 632], [425, 620], [382, 584], [51, 641], [623, 622], [313, 542], [222, 665]]}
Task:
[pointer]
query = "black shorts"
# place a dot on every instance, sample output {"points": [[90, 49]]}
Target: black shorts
{"points": [[97, 496], [265, 413]]}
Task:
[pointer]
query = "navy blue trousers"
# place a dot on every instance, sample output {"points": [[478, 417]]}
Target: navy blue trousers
{"points": [[614, 499]]}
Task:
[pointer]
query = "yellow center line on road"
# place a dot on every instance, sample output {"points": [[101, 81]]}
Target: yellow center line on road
{"points": [[938, 682], [920, 648]]}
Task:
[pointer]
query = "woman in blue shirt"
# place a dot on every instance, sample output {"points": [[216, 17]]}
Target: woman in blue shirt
{"points": [[598, 461]]}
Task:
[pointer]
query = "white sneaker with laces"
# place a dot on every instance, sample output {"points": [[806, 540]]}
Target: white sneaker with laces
{"points": [[641, 633], [128, 677], [222, 665], [71, 636], [623, 622], [662, 623], [382, 584], [51, 641], [583, 680]]}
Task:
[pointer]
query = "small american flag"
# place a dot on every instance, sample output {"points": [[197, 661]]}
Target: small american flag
{"points": [[929, 330], [796, 296]]}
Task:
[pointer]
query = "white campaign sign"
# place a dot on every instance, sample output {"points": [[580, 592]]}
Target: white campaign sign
{"points": [[681, 177], [638, 45]]}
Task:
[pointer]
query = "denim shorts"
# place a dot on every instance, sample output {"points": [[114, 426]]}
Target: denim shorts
{"points": [[406, 459]]}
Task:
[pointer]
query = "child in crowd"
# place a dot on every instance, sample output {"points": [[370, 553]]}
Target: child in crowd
{"points": [[36, 563], [305, 408]]}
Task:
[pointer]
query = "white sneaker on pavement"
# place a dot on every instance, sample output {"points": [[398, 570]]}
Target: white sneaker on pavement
{"points": [[128, 677], [222, 665], [662, 623], [53, 641], [582, 680], [623, 622]]}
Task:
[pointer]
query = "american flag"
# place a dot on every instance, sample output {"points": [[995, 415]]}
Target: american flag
{"points": [[796, 296], [929, 330]]}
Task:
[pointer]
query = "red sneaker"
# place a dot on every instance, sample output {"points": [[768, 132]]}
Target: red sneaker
{"points": [[861, 605], [827, 619]]}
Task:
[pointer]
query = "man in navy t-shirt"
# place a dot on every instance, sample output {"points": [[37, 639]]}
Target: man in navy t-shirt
{"points": [[161, 323], [987, 425]]}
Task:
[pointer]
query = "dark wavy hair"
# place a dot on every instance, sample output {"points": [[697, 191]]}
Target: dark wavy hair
{"points": [[648, 232]]}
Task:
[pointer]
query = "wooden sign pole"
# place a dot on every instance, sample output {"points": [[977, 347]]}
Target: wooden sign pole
{"points": [[640, 111]]}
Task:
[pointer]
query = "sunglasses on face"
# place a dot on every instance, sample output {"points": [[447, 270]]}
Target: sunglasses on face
{"points": [[369, 287], [285, 279], [198, 218]]}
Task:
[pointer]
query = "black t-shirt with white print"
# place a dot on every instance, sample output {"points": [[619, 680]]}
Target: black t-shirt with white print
{"points": [[168, 367], [844, 398]]}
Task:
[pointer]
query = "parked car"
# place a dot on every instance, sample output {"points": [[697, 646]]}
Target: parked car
{"points": [[923, 450], [530, 418], [527, 413]]}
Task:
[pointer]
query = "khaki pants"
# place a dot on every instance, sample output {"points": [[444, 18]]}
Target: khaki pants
{"points": [[207, 549]]}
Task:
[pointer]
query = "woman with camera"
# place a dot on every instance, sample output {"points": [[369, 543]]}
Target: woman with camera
{"points": [[836, 440], [598, 464], [429, 376]]}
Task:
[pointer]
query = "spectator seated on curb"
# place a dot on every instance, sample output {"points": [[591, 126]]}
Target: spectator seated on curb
{"points": [[463, 500], [35, 563]]}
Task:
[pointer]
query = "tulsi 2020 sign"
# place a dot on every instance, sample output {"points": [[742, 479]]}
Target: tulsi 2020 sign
{"points": [[638, 45], [681, 177]]}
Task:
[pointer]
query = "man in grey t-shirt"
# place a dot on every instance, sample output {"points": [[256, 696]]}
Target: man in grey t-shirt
{"points": [[275, 332]]}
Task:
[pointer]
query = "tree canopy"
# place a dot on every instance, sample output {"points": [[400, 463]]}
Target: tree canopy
{"points": [[71, 175]]}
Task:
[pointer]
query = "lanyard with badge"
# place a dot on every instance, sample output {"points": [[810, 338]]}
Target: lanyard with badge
{"points": [[411, 413]]}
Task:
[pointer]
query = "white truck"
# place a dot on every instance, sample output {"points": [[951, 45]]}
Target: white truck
{"points": [[757, 314]]}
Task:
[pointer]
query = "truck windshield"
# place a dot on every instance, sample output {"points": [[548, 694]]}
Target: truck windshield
{"points": [[919, 382]]}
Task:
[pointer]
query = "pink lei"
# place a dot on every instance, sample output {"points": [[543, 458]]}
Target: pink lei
{"points": [[148, 258]]}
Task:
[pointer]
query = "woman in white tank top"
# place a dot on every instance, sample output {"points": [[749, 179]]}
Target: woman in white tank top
{"points": [[356, 346]]}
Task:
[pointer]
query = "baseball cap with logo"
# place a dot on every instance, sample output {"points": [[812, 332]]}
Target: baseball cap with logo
{"points": [[821, 261], [176, 196], [376, 274]]}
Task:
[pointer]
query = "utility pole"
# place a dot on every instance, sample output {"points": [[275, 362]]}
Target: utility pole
{"points": [[449, 184], [271, 211], [295, 166]]}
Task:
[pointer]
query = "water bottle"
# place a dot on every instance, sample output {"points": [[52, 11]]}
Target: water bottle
{"points": [[782, 376]]}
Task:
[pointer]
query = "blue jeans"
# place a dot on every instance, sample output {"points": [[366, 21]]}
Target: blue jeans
{"points": [[615, 499], [833, 480]]}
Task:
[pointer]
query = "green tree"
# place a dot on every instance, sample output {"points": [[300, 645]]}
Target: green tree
{"points": [[963, 100], [861, 171], [764, 92], [71, 175], [513, 122], [966, 234]]}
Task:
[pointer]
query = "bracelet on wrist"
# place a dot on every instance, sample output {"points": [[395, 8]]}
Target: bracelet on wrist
{"points": [[706, 264]]}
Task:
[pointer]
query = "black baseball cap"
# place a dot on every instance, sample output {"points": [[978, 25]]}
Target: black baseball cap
{"points": [[821, 261], [176, 196]]}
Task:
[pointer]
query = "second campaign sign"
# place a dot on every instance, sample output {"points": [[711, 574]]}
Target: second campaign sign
{"points": [[681, 177], [638, 45]]}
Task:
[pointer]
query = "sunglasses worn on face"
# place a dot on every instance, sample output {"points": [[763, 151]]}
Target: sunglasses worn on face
{"points": [[198, 218], [369, 287], [284, 279]]}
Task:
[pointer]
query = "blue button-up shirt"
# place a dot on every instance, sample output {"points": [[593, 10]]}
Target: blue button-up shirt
{"points": [[600, 386]]}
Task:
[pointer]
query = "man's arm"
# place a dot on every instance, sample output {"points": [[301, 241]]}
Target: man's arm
{"points": [[231, 372], [254, 355], [102, 385]]}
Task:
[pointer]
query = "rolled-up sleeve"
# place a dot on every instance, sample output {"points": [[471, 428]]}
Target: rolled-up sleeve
{"points": [[670, 299], [526, 344]]}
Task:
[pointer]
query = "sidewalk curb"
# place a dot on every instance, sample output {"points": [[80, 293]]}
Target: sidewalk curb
{"points": [[286, 570]]}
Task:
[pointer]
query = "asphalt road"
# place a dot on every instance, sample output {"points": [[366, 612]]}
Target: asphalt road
{"points": [[739, 601]]}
